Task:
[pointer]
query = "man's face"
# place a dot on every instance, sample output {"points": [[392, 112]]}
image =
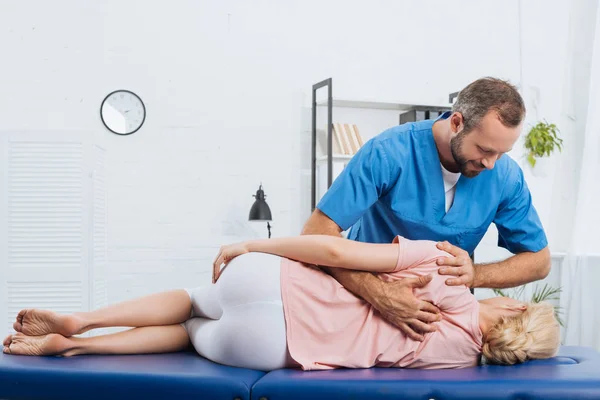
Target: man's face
{"points": [[480, 148]]}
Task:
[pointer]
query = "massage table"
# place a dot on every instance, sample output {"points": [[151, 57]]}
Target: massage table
{"points": [[573, 374]]}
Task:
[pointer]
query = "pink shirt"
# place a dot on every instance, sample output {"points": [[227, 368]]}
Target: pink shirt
{"points": [[328, 327]]}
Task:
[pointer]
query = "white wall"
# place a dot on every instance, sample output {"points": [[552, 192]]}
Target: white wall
{"points": [[227, 88], [556, 49]]}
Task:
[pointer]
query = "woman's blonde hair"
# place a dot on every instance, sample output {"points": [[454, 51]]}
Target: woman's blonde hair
{"points": [[533, 334]]}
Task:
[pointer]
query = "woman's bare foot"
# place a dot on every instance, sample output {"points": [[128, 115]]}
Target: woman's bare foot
{"points": [[46, 345], [34, 322]]}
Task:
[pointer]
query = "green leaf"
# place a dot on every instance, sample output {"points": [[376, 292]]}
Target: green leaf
{"points": [[544, 294], [542, 140]]}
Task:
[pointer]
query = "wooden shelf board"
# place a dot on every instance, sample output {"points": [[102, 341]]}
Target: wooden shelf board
{"points": [[380, 105], [335, 157]]}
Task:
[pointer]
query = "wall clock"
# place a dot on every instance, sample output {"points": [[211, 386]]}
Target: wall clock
{"points": [[123, 112]]}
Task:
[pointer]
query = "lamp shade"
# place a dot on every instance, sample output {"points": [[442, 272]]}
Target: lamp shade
{"points": [[260, 210]]}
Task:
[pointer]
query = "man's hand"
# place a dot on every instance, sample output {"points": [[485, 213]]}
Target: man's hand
{"points": [[397, 304], [459, 265]]}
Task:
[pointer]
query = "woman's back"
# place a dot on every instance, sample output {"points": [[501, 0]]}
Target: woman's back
{"points": [[329, 327]]}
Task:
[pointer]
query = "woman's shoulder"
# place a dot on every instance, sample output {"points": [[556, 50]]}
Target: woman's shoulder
{"points": [[415, 253]]}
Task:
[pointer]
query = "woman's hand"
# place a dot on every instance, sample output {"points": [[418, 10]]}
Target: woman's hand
{"points": [[226, 254]]}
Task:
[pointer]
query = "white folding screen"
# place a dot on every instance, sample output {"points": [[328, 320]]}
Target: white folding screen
{"points": [[52, 223], [98, 235]]}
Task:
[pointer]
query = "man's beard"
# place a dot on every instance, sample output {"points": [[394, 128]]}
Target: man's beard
{"points": [[461, 161]]}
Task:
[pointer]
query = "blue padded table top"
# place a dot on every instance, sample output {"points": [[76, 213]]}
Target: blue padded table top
{"points": [[183, 375], [573, 374]]}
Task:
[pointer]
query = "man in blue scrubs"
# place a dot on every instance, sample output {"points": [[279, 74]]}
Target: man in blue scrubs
{"points": [[444, 180]]}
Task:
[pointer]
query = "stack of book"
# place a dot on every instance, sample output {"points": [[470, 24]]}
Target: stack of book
{"points": [[346, 139]]}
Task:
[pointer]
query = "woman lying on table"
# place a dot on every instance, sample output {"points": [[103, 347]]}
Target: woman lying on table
{"points": [[273, 308]]}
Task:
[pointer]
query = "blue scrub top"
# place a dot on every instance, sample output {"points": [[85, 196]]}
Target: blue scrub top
{"points": [[394, 186]]}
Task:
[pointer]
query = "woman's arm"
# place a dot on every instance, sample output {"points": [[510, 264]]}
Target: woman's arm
{"points": [[331, 251]]}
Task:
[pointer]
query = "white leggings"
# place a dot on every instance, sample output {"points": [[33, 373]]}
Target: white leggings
{"points": [[239, 321]]}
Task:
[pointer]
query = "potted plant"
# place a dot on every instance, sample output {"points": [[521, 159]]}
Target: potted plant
{"points": [[541, 141]]}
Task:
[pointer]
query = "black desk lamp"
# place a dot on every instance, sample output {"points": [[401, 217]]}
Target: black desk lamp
{"points": [[260, 210]]}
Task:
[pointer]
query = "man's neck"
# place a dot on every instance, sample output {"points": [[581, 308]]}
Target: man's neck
{"points": [[442, 135]]}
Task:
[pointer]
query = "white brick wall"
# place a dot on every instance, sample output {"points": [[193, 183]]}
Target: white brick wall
{"points": [[226, 86]]}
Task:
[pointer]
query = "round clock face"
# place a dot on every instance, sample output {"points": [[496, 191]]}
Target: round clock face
{"points": [[123, 112]]}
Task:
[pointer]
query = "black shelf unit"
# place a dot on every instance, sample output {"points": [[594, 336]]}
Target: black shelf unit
{"points": [[408, 113]]}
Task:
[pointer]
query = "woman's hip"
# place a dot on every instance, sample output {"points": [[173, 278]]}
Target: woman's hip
{"points": [[250, 278]]}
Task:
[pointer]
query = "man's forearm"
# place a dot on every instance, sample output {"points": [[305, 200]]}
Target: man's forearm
{"points": [[359, 283], [514, 271]]}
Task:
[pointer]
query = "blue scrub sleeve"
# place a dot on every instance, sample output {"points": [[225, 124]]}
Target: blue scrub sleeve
{"points": [[519, 226], [366, 177]]}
